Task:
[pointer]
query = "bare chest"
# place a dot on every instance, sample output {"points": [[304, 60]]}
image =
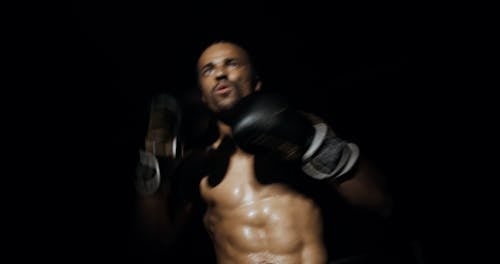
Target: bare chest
{"points": [[240, 193], [238, 185]]}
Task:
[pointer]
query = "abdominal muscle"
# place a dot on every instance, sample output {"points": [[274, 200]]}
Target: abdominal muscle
{"points": [[264, 224]]}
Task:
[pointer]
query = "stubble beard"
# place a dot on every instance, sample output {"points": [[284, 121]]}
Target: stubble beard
{"points": [[226, 102]]}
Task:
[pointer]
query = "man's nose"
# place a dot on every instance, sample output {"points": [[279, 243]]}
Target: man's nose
{"points": [[220, 74]]}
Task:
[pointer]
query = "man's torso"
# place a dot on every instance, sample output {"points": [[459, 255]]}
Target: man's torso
{"points": [[251, 222]]}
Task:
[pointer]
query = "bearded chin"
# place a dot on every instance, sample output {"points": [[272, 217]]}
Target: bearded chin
{"points": [[226, 104]]}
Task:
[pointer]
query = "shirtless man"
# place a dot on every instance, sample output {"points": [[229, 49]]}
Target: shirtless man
{"points": [[249, 219]]}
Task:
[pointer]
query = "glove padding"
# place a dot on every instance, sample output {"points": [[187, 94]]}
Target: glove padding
{"points": [[162, 144], [162, 138], [266, 124], [329, 156], [147, 180]]}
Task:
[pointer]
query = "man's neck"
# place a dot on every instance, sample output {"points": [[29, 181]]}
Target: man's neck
{"points": [[224, 131]]}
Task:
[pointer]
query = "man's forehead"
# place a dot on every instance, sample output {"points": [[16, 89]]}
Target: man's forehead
{"points": [[220, 51]]}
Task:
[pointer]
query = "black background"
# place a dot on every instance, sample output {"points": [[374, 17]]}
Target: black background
{"points": [[389, 76]]}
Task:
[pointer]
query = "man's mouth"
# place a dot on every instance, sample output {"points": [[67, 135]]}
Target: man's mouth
{"points": [[222, 89]]}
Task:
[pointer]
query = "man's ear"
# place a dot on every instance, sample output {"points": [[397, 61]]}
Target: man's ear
{"points": [[258, 86]]}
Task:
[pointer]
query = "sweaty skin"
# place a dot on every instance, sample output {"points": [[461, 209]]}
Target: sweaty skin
{"points": [[254, 223], [250, 222]]}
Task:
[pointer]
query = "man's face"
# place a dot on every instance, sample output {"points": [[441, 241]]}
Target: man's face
{"points": [[225, 76]]}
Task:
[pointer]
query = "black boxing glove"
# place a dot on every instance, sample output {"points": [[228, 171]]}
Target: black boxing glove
{"points": [[163, 148], [265, 123]]}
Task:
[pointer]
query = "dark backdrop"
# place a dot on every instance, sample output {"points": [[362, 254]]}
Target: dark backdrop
{"points": [[388, 76]]}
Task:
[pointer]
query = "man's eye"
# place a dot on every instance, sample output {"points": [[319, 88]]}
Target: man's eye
{"points": [[208, 71], [233, 64]]}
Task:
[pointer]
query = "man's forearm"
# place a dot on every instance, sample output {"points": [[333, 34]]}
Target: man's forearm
{"points": [[366, 188]]}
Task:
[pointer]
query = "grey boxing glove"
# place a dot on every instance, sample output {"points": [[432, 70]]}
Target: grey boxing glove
{"points": [[163, 148], [328, 155], [147, 180]]}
